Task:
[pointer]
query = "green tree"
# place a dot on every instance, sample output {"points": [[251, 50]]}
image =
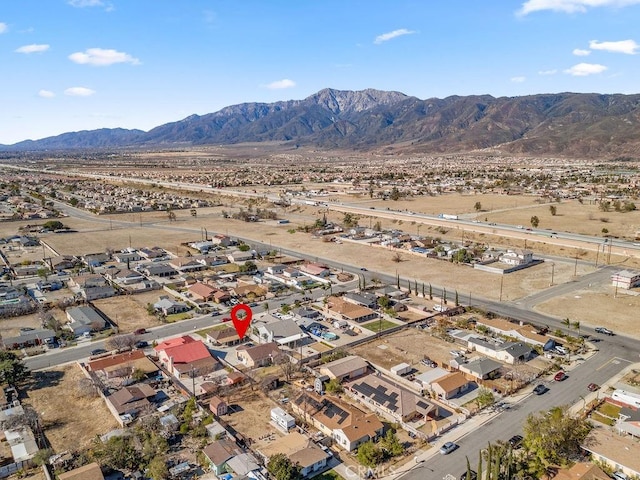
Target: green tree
{"points": [[554, 437], [43, 273], [12, 370], [281, 467], [535, 221], [553, 209], [334, 386], [391, 446], [384, 301], [485, 397], [243, 247], [157, 469], [53, 225], [430, 292], [477, 207], [73, 202], [116, 453], [369, 454]]}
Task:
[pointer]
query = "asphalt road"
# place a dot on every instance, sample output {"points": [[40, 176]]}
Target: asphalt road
{"points": [[598, 369]]}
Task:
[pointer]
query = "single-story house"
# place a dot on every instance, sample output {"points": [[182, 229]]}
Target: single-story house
{"points": [[345, 368], [218, 406], [84, 319], [219, 453], [258, 355], [225, 337], [168, 306], [482, 368], [284, 332], [299, 449], [90, 471], [185, 356], [618, 452], [451, 385]]}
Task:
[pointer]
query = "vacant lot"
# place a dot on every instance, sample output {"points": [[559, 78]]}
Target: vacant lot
{"points": [[250, 414], [129, 312], [71, 420], [410, 346]]}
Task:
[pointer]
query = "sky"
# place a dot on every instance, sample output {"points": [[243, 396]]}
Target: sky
{"points": [[71, 65]]}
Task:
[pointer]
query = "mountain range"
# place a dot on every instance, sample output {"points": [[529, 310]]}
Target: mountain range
{"points": [[562, 124]]}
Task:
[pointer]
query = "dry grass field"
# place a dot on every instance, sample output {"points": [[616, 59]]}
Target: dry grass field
{"points": [[51, 394], [120, 231], [129, 312]]}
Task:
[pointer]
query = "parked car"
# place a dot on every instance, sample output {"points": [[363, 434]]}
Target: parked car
{"points": [[226, 319], [363, 269], [142, 344], [620, 476], [515, 441], [540, 389], [98, 351], [560, 376], [447, 448], [603, 330], [140, 331], [561, 350], [469, 475], [456, 353], [592, 387]]}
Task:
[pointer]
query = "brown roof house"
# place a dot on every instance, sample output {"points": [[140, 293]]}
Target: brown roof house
{"points": [[258, 355], [389, 399], [129, 402], [219, 453], [299, 449], [218, 406], [91, 471], [123, 364], [347, 425], [581, 471], [224, 337], [451, 385], [619, 452], [345, 368]]}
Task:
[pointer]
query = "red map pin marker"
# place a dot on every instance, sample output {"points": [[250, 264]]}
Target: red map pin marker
{"points": [[241, 324]]}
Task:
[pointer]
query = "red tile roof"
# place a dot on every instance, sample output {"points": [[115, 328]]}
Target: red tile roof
{"points": [[172, 342], [188, 352]]}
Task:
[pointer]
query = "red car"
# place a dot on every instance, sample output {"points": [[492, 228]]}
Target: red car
{"points": [[560, 376], [593, 387], [226, 319]]}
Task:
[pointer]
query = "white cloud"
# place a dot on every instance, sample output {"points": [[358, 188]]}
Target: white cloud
{"points": [[518, 79], [79, 92], [571, 6], [623, 46], [547, 72], [581, 52], [584, 69], [101, 57], [280, 84], [46, 94], [85, 3], [390, 35], [3, 27], [33, 48]]}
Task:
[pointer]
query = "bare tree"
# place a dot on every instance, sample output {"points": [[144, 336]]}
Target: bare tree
{"points": [[121, 342], [87, 388], [287, 367]]}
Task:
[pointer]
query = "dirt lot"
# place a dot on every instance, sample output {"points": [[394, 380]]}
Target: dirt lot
{"points": [[130, 311], [71, 420], [410, 346], [253, 418], [10, 327]]}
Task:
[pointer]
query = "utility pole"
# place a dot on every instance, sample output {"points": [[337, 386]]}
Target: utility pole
{"points": [[575, 267], [501, 284], [553, 265]]}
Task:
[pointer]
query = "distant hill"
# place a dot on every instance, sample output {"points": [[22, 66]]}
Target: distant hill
{"points": [[567, 124]]}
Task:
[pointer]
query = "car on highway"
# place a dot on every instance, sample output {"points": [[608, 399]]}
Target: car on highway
{"points": [[592, 387], [560, 376], [468, 475], [515, 441], [98, 351], [363, 269], [447, 448], [603, 330], [540, 389]]}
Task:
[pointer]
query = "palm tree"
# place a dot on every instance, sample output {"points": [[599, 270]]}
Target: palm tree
{"points": [[576, 325]]}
